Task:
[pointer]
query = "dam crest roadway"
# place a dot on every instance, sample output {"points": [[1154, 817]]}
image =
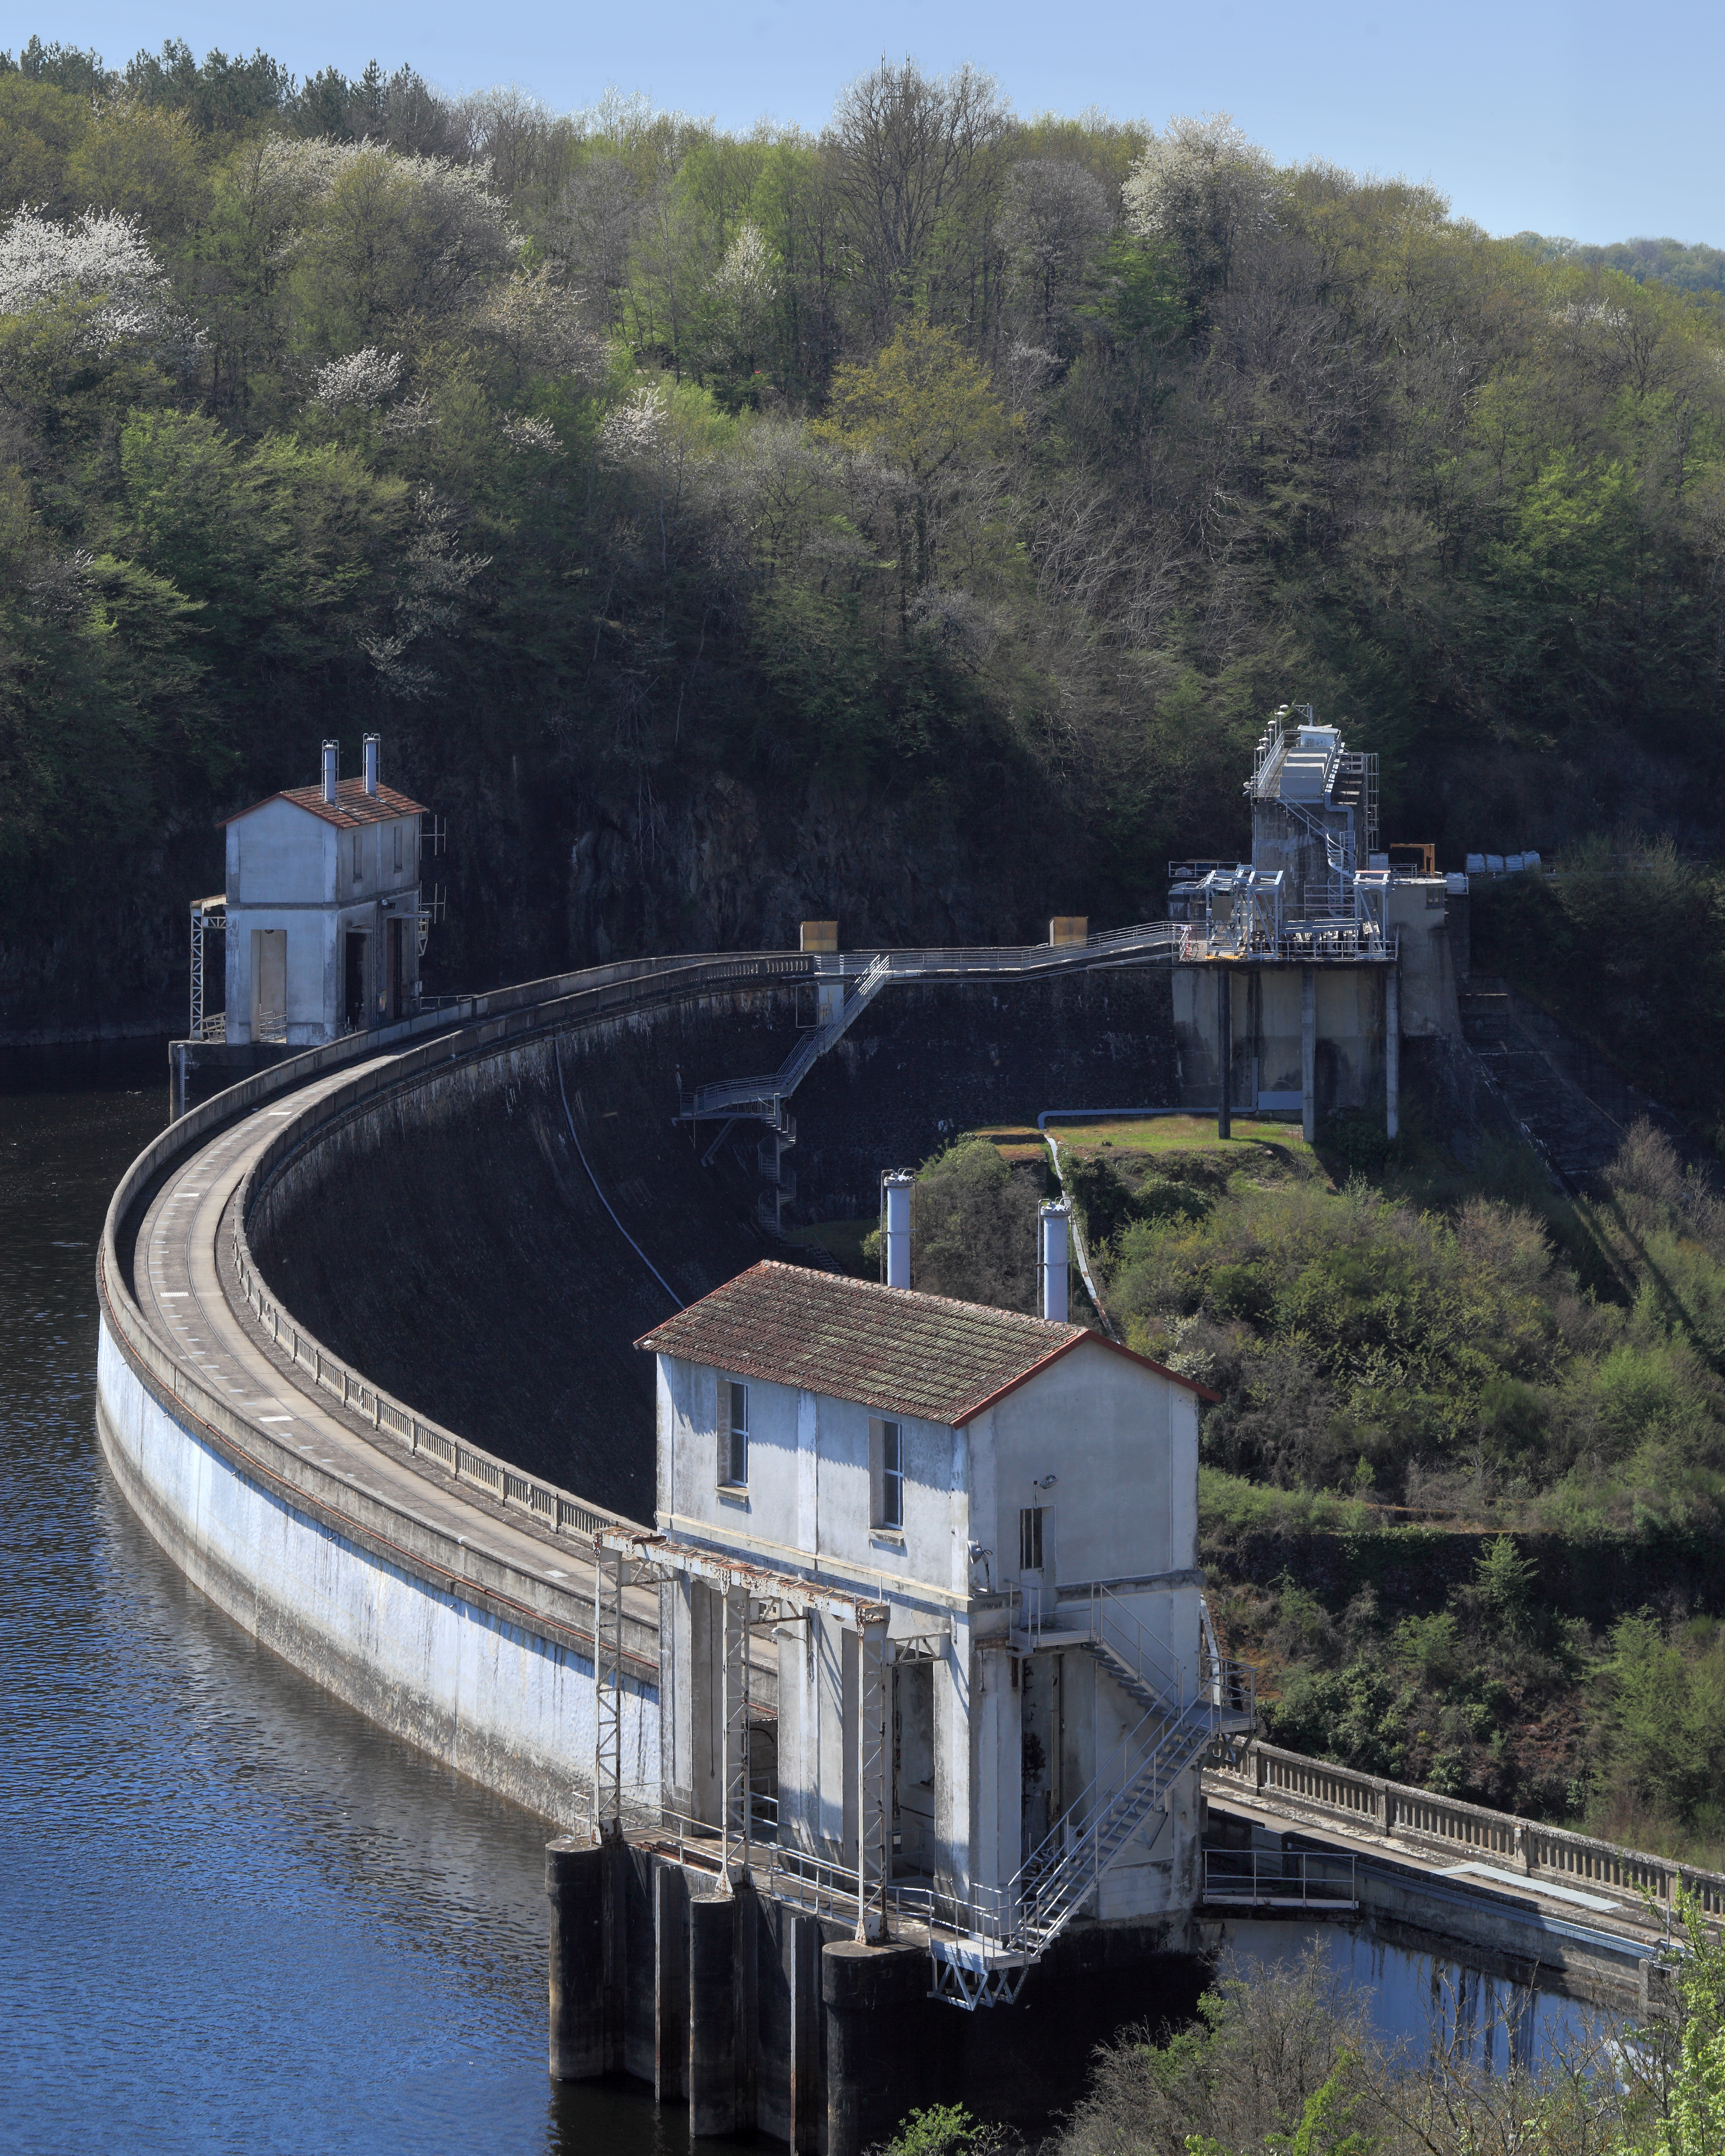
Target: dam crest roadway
{"points": [[436, 1578]]}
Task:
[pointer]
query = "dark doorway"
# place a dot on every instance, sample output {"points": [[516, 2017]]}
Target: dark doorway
{"points": [[354, 992]]}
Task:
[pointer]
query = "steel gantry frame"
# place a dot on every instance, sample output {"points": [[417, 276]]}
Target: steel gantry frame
{"points": [[750, 1595], [207, 915], [609, 1566], [739, 1620]]}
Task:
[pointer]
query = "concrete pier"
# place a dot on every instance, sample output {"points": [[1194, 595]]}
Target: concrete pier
{"points": [[1225, 1051], [581, 1989], [763, 2018]]}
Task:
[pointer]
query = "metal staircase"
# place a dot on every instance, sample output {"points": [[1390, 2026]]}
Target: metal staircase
{"points": [[764, 1096], [982, 1949]]}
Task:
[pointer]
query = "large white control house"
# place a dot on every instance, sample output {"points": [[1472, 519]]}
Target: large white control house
{"points": [[971, 1537]]}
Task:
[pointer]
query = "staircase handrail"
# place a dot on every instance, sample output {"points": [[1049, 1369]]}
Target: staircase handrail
{"points": [[1029, 1912], [1055, 1897], [765, 1087], [1104, 1617], [1121, 1630]]}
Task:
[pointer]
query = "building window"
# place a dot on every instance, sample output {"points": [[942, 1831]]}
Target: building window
{"points": [[356, 856], [734, 1436], [397, 849], [887, 1447], [1030, 1539]]}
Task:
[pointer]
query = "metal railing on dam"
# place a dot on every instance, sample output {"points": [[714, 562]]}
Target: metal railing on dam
{"points": [[391, 1418], [476, 1027], [1318, 1794]]}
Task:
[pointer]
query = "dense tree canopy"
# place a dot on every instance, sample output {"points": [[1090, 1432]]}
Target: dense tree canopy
{"points": [[946, 460]]}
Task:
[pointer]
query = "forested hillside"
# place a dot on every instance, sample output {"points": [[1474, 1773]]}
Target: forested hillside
{"points": [[912, 522], [1462, 1485]]}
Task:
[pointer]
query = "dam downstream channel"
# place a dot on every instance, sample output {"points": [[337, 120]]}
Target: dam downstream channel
{"points": [[236, 1915]]}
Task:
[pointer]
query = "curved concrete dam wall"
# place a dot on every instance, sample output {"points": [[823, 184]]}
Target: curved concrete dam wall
{"points": [[446, 1607], [451, 1240], [423, 1208]]}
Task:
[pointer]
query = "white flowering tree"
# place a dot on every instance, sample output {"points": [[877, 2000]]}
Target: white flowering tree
{"points": [[97, 268], [539, 325], [362, 379], [1203, 185]]}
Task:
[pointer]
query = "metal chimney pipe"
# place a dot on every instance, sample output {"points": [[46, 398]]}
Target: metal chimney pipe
{"points": [[1052, 1261], [896, 1238], [329, 773], [371, 765]]}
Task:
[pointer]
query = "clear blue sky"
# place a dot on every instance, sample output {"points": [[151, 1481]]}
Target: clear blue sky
{"points": [[1600, 122]]}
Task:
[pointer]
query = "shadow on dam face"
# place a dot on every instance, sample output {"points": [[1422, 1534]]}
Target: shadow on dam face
{"points": [[447, 1241]]}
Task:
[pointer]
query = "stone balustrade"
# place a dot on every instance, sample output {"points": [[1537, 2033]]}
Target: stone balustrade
{"points": [[1321, 1793]]}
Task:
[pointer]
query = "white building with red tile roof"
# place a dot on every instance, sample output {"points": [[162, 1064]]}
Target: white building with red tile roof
{"points": [[322, 908], [1019, 1496]]}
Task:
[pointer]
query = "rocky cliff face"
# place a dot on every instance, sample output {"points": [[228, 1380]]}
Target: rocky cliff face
{"points": [[541, 877]]}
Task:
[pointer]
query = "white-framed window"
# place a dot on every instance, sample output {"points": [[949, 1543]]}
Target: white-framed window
{"points": [[1030, 1537], [733, 1435], [887, 1479]]}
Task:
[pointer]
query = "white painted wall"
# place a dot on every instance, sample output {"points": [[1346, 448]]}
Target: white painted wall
{"points": [[1120, 1440], [288, 869], [513, 1711], [809, 1489]]}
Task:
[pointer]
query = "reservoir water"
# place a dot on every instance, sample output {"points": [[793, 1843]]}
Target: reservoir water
{"points": [[233, 1915]]}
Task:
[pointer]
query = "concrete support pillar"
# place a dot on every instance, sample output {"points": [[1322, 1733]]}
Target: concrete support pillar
{"points": [[176, 1080], [670, 1990], [1392, 1051], [1309, 1053], [802, 1953], [579, 2008], [873, 1809], [712, 2015], [1225, 1051], [881, 2055]]}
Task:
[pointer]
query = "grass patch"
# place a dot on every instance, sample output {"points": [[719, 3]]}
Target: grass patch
{"points": [[1166, 1134], [1230, 1502]]}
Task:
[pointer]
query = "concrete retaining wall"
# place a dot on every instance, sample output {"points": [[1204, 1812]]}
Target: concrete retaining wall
{"points": [[398, 1635]]}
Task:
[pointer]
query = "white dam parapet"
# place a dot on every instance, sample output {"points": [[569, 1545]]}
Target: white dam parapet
{"points": [[443, 1666]]}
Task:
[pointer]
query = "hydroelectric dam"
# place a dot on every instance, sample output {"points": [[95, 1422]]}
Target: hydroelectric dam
{"points": [[367, 1373]]}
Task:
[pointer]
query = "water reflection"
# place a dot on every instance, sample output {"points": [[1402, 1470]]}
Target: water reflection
{"points": [[1422, 1999], [234, 1914]]}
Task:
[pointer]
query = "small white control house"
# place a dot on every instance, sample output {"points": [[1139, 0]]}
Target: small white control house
{"points": [[322, 909], [967, 1539]]}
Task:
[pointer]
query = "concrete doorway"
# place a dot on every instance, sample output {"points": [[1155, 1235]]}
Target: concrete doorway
{"points": [[913, 1770], [353, 996], [269, 1011]]}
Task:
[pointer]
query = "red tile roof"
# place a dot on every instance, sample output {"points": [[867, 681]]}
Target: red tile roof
{"points": [[353, 806], [885, 1347]]}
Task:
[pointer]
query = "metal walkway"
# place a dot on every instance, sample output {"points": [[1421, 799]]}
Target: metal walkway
{"points": [[983, 1948], [764, 1095]]}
